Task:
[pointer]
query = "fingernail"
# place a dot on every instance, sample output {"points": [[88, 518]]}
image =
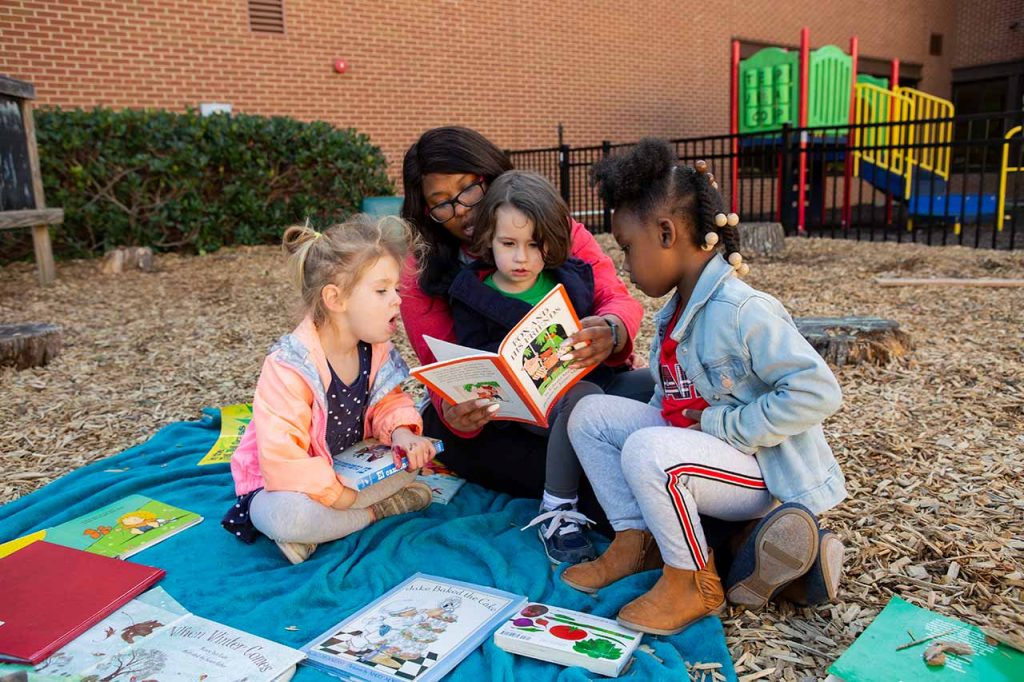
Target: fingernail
{"points": [[581, 344], [482, 402], [493, 408], [567, 357]]}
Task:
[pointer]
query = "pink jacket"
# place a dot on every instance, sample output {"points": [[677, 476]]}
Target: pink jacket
{"points": [[432, 316], [285, 444]]}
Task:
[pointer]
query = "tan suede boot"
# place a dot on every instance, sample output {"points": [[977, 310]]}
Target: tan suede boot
{"points": [[678, 599], [631, 551]]}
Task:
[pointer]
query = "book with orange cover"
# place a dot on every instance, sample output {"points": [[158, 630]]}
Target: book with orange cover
{"points": [[53, 593], [526, 377]]}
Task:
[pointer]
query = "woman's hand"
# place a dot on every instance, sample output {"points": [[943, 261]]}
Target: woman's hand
{"points": [[417, 449], [592, 344], [469, 415]]}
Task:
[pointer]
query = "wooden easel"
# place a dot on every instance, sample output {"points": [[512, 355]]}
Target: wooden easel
{"points": [[22, 203]]}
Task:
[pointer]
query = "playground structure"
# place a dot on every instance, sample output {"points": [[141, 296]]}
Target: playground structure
{"points": [[896, 139]]}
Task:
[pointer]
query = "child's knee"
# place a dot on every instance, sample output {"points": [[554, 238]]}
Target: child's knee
{"points": [[588, 414], [638, 462]]}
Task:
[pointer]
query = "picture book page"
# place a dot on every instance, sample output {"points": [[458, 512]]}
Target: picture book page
{"points": [[444, 350], [461, 380], [533, 347]]}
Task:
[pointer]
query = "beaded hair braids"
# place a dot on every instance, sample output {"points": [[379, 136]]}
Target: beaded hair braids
{"points": [[647, 175]]}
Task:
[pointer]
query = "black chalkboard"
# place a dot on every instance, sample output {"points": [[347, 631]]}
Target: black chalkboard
{"points": [[15, 170]]}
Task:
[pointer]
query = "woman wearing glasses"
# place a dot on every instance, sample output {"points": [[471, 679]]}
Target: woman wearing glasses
{"points": [[446, 173]]}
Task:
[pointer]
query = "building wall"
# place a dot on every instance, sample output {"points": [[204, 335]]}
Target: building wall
{"points": [[604, 68], [989, 31]]}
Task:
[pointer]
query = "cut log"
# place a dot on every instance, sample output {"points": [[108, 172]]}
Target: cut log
{"points": [[852, 340], [127, 258], [761, 239], [29, 345]]}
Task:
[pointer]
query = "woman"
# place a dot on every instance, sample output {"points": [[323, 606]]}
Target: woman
{"points": [[446, 173]]}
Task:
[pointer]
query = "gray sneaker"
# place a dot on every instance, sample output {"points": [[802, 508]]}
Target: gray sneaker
{"points": [[296, 552], [411, 498]]}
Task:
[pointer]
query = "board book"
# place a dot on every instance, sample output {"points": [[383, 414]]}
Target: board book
{"points": [[123, 528], [569, 638], [419, 630], [234, 419], [369, 461], [526, 377], [443, 482]]}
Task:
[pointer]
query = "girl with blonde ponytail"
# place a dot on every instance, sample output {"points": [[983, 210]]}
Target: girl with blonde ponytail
{"points": [[335, 380]]}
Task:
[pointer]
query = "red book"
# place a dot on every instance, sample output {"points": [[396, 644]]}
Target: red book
{"points": [[51, 594]]}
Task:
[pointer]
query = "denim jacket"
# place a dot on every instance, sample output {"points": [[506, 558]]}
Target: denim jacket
{"points": [[767, 389]]}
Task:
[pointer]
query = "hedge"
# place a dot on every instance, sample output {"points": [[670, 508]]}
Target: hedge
{"points": [[177, 181]]}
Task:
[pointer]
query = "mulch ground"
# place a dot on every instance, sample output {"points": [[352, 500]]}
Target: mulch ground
{"points": [[932, 445]]}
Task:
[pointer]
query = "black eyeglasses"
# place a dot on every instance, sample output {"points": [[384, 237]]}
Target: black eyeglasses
{"points": [[470, 196]]}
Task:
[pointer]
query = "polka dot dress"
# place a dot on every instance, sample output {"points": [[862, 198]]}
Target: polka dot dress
{"points": [[346, 408]]}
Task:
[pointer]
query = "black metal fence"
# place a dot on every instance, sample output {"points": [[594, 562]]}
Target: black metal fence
{"points": [[937, 181]]}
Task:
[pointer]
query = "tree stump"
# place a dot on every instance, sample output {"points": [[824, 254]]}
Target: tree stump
{"points": [[761, 239], [29, 345], [127, 258], [853, 340]]}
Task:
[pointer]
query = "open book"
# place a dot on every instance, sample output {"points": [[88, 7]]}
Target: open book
{"points": [[525, 376]]}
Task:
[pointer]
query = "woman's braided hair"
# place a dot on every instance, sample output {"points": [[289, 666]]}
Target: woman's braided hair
{"points": [[647, 175]]}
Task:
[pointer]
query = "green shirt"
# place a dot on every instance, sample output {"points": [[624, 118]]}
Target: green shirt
{"points": [[544, 284]]}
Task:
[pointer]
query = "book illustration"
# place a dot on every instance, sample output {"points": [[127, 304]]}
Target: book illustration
{"points": [[488, 390], [233, 421], [541, 358], [123, 528], [525, 377], [417, 631], [443, 482], [369, 461], [568, 638], [881, 652]]}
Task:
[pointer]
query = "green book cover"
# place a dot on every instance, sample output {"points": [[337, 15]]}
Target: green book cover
{"points": [[873, 657], [123, 528]]}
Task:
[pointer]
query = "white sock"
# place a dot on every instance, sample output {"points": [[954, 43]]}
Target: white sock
{"points": [[550, 502]]}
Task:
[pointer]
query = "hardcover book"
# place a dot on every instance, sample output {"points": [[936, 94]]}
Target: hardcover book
{"points": [[123, 528], [52, 594], [369, 461], [569, 638], [419, 630], [526, 376]]}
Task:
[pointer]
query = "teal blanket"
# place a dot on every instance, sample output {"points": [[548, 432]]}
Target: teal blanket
{"points": [[475, 538]]}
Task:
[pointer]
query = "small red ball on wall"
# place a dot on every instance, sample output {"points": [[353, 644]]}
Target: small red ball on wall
{"points": [[340, 65]]}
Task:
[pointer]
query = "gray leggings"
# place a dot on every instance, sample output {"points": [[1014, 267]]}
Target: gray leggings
{"points": [[287, 516]]}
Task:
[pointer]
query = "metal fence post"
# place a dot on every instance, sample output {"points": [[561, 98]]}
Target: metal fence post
{"points": [[606, 219], [786, 196], [563, 172]]}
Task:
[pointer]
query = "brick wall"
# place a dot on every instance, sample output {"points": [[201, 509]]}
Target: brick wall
{"points": [[985, 32], [604, 68]]}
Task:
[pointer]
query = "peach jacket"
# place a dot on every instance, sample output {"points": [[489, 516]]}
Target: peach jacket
{"points": [[285, 444]]}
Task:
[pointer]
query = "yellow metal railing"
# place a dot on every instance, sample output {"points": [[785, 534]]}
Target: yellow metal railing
{"points": [[1004, 169], [884, 146], [937, 134]]}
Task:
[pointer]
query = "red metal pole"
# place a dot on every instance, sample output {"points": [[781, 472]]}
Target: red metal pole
{"points": [[734, 127], [848, 169], [894, 82], [805, 59]]}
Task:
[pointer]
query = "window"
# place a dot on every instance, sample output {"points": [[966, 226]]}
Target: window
{"points": [[266, 16], [935, 45]]}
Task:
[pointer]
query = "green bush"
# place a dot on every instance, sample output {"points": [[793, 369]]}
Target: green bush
{"points": [[186, 182]]}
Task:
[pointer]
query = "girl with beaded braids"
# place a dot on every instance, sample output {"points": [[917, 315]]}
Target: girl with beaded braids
{"points": [[734, 426]]}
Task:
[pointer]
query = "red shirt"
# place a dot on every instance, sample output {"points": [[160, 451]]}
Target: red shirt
{"points": [[679, 392]]}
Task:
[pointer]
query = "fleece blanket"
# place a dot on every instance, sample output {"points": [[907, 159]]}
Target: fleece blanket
{"points": [[475, 538]]}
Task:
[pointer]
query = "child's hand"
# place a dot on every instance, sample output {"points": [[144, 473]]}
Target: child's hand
{"points": [[695, 416], [417, 449]]}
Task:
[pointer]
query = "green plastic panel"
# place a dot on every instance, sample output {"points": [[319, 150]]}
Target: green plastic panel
{"points": [[767, 90], [829, 86], [873, 80]]}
